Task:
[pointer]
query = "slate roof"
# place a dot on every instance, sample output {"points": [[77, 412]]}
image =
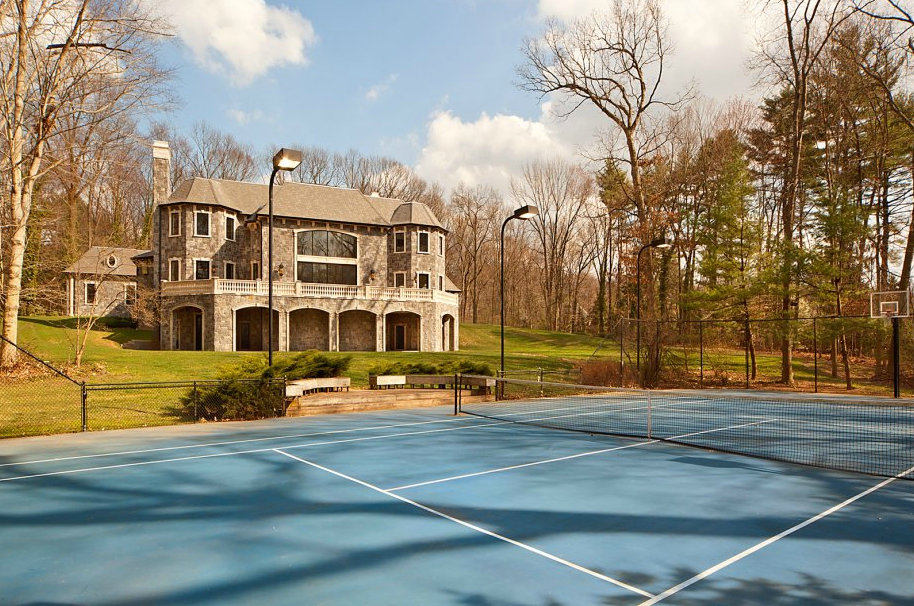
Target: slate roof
{"points": [[304, 201], [94, 262]]}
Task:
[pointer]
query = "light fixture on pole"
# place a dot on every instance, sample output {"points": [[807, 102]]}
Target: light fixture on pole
{"points": [[661, 243], [285, 159], [523, 213]]}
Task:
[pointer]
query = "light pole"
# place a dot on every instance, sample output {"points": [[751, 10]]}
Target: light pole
{"points": [[660, 242], [524, 212], [285, 159]]}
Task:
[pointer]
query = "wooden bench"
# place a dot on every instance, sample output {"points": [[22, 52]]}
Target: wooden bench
{"points": [[386, 381], [300, 387]]}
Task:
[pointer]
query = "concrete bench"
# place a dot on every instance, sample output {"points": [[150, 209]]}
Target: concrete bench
{"points": [[477, 384], [300, 387], [379, 381]]}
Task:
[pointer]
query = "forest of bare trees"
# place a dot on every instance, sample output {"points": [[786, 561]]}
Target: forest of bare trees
{"points": [[796, 205]]}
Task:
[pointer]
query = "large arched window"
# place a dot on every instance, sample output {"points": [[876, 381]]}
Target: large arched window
{"points": [[326, 257]]}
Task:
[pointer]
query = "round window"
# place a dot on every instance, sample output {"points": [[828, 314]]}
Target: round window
{"points": [[111, 261]]}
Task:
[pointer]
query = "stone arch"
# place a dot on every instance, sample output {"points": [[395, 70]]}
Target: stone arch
{"points": [[403, 330], [448, 333], [251, 325], [357, 330], [187, 328], [309, 328]]}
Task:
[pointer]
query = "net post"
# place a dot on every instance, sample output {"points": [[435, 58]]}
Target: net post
{"points": [[456, 394]]}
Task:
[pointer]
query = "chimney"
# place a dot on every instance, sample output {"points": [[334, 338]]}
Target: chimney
{"points": [[161, 172], [161, 189]]}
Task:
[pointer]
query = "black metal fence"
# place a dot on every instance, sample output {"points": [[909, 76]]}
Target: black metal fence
{"points": [[36, 399], [828, 353]]}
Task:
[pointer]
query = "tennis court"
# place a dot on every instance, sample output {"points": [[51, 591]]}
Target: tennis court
{"points": [[423, 507]]}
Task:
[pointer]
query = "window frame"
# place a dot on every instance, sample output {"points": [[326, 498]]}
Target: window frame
{"points": [[440, 282], [255, 275], [402, 247], [128, 300], [440, 245], [174, 262], [209, 224], [400, 274], [209, 263], [171, 224], [86, 285], [231, 217], [225, 268], [428, 280], [428, 243]]}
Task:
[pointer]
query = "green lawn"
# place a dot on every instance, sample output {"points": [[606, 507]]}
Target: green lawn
{"points": [[105, 361]]}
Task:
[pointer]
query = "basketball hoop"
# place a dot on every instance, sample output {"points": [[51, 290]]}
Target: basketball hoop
{"points": [[892, 304]]}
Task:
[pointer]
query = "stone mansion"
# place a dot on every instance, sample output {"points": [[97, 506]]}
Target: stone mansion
{"points": [[351, 272]]}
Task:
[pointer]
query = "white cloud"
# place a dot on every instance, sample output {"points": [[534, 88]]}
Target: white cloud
{"points": [[244, 118], [383, 88], [242, 39], [487, 151], [712, 41]]}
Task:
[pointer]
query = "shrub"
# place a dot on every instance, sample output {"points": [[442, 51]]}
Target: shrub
{"points": [[252, 390], [464, 367]]}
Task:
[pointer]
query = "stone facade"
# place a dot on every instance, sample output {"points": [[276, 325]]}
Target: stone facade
{"points": [[213, 278]]}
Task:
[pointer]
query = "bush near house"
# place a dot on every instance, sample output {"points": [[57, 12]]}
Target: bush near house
{"points": [[464, 367], [252, 390]]}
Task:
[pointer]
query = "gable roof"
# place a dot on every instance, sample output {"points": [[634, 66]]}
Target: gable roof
{"points": [[105, 261], [300, 201]]}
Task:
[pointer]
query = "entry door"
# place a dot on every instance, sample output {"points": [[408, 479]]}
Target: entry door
{"points": [[399, 337], [198, 332], [244, 336]]}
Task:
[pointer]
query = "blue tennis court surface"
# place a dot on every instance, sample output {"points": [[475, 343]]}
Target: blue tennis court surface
{"points": [[419, 507]]}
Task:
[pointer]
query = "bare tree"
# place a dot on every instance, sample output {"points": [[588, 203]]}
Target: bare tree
{"points": [[561, 192], [613, 62], [218, 155], [86, 60], [472, 243]]}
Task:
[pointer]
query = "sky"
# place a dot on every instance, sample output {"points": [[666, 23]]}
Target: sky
{"points": [[431, 83]]}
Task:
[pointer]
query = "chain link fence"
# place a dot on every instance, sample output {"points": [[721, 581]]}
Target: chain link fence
{"points": [[828, 354], [38, 399]]}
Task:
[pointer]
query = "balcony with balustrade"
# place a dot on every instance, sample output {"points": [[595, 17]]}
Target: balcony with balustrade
{"points": [[218, 286]]}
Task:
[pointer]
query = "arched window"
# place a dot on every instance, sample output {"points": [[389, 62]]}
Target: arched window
{"points": [[326, 257]]}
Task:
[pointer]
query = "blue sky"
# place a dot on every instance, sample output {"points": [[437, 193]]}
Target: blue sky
{"points": [[428, 82]]}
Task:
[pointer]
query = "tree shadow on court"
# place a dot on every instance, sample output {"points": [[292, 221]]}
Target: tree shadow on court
{"points": [[229, 509]]}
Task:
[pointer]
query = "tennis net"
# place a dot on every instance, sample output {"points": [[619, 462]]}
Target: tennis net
{"points": [[866, 435]]}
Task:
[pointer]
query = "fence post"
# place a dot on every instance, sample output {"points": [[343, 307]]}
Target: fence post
{"points": [[194, 396], [541, 381], [815, 356], [747, 351], [896, 357], [701, 353], [621, 352], [84, 405]]}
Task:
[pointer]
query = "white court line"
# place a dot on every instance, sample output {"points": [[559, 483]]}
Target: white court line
{"points": [[243, 452], [569, 457], [471, 526], [290, 436], [705, 574], [230, 442]]}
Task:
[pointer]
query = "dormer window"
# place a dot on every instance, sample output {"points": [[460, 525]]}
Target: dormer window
{"points": [[423, 242], [202, 223]]}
